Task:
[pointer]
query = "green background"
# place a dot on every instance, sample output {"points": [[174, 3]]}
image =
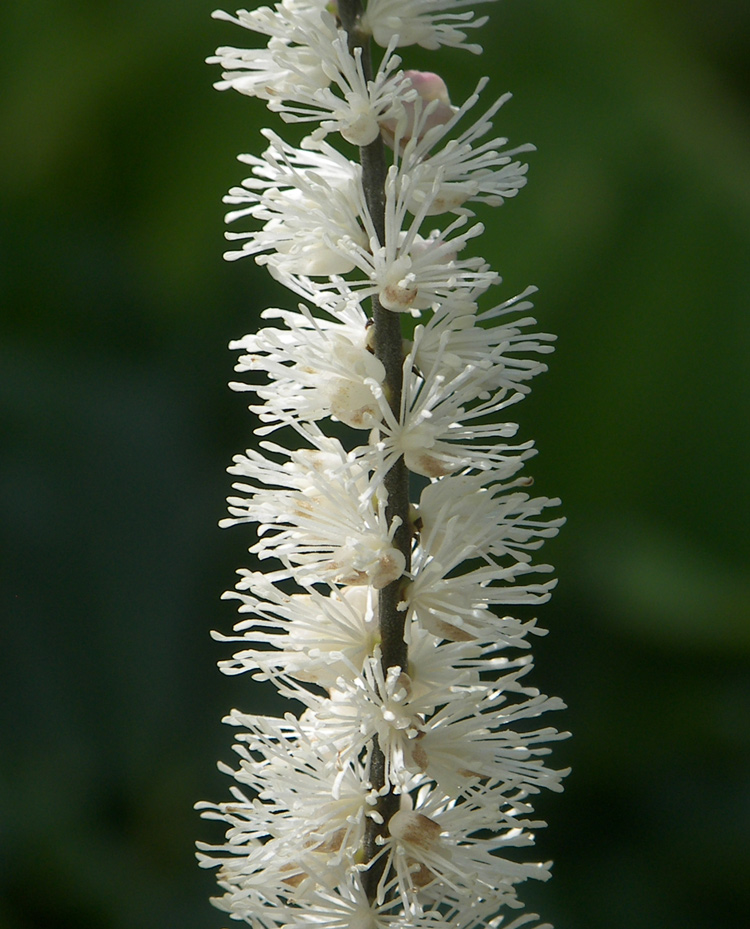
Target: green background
{"points": [[116, 425]]}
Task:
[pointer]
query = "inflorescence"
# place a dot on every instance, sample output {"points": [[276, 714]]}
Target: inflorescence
{"points": [[399, 525]]}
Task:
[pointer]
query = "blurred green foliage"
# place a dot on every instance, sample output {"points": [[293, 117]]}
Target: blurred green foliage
{"points": [[116, 427]]}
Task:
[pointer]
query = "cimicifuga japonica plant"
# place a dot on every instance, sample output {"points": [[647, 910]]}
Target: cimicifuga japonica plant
{"points": [[386, 492]]}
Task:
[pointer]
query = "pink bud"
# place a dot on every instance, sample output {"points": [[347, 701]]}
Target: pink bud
{"points": [[432, 97], [428, 85]]}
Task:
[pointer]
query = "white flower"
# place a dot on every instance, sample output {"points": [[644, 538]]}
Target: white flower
{"points": [[297, 826], [311, 203], [329, 376], [269, 73], [315, 514], [456, 336], [317, 368], [475, 738], [475, 535], [350, 104], [289, 62], [468, 171], [411, 271], [291, 20], [457, 606], [439, 848], [307, 74], [440, 720], [367, 704], [429, 23], [495, 520], [414, 272], [441, 425], [316, 638]]}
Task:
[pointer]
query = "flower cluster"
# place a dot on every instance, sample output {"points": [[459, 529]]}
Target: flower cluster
{"points": [[400, 526]]}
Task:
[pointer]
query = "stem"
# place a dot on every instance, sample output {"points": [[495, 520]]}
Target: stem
{"points": [[388, 345]]}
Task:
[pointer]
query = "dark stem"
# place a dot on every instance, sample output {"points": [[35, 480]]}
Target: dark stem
{"points": [[388, 347]]}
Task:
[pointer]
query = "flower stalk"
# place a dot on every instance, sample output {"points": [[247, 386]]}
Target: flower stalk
{"points": [[397, 795]]}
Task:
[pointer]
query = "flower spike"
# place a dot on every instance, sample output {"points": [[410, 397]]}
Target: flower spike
{"points": [[386, 494]]}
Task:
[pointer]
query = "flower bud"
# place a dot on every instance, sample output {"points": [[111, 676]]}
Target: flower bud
{"points": [[431, 108]]}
